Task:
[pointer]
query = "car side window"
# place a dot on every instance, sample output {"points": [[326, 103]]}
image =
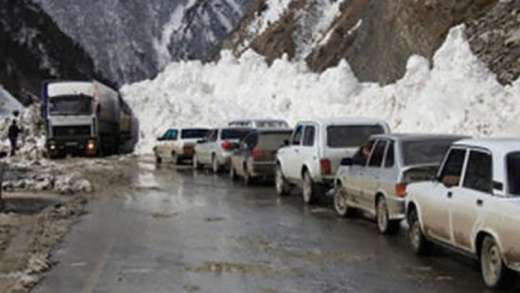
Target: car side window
{"points": [[377, 154], [297, 135], [390, 156], [479, 172], [452, 169], [309, 136], [361, 156]]}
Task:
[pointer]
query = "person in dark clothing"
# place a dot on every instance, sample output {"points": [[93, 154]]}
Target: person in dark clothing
{"points": [[14, 130]]}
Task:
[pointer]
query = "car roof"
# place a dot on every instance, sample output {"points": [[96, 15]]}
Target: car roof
{"points": [[418, 136], [273, 130], [496, 145], [345, 120]]}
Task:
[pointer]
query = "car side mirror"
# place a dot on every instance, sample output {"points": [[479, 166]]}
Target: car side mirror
{"points": [[347, 162]]}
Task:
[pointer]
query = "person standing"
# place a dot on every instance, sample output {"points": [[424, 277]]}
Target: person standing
{"points": [[14, 130]]}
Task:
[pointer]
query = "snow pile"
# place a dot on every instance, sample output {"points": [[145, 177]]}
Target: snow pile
{"points": [[458, 95]]}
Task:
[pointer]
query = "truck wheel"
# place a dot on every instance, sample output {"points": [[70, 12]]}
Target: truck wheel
{"points": [[310, 189], [494, 272], [419, 243], [384, 224], [282, 187], [341, 202]]}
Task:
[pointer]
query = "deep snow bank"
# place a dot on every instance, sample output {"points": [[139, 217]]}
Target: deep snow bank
{"points": [[458, 95]]}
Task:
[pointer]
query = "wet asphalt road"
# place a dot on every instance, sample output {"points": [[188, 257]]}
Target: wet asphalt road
{"points": [[180, 231]]}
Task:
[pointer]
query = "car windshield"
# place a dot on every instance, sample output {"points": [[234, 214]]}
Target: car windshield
{"points": [[234, 133], [273, 141], [70, 105], [425, 151], [345, 136], [513, 173], [194, 133]]}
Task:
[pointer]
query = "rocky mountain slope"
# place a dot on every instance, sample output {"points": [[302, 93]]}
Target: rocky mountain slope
{"points": [[377, 37], [133, 40], [33, 48]]}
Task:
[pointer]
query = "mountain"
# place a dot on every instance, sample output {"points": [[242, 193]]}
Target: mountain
{"points": [[134, 40], [377, 37], [33, 48]]}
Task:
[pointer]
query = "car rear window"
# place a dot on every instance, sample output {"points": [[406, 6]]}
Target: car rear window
{"points": [[272, 141], [513, 173], [425, 151], [194, 133], [234, 133], [345, 136]]}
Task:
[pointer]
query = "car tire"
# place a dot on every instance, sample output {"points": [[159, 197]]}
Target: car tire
{"points": [[310, 189], [420, 245], [232, 173], [215, 166], [341, 202], [495, 273], [384, 224], [282, 187]]}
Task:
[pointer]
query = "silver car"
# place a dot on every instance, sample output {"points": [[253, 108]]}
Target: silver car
{"points": [[216, 149], [375, 179]]}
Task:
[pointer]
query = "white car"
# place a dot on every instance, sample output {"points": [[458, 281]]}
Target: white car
{"points": [[313, 155], [216, 149], [260, 123], [473, 205], [177, 144]]}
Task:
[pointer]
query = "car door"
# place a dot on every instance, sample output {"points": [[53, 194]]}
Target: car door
{"points": [[353, 184], [163, 145], [292, 154], [370, 177], [476, 190], [435, 203], [203, 148], [308, 150]]}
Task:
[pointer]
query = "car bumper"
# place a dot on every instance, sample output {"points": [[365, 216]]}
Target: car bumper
{"points": [[396, 208], [263, 169]]}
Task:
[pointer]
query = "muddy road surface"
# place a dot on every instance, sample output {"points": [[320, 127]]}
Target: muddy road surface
{"points": [[176, 230]]}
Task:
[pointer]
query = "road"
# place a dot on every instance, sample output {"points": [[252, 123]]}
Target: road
{"points": [[180, 231]]}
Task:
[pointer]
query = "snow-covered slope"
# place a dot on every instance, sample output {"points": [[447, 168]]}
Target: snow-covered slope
{"points": [[458, 95], [132, 40]]}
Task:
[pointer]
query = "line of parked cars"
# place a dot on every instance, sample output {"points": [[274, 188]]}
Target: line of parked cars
{"points": [[453, 191]]}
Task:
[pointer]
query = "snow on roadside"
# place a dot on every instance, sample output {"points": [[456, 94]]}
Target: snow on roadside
{"points": [[458, 95]]}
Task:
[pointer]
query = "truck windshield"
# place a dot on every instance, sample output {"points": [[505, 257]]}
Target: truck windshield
{"points": [[513, 173], [425, 151], [346, 136], [70, 105], [194, 133]]}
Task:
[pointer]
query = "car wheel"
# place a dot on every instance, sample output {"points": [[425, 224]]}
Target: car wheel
{"points": [[309, 189], [232, 173], [215, 166], [494, 271], [384, 224], [282, 187], [341, 202], [418, 241]]}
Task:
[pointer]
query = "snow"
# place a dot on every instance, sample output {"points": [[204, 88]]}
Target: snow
{"points": [[458, 94]]}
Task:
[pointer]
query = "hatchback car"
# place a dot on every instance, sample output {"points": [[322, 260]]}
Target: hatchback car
{"points": [[256, 155], [216, 149], [375, 179]]}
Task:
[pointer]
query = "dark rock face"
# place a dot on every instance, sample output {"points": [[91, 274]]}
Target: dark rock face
{"points": [[495, 38], [375, 36], [33, 49]]}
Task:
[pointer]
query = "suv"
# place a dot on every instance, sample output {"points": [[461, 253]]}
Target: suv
{"points": [[260, 123], [315, 150], [216, 149], [473, 206], [177, 144], [257, 153], [375, 179]]}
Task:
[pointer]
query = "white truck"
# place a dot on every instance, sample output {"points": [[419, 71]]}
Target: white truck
{"points": [[473, 206], [87, 118], [313, 155]]}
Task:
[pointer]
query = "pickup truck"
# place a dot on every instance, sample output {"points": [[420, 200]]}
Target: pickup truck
{"points": [[473, 206]]}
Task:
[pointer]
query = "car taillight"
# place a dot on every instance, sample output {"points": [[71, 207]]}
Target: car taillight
{"points": [[257, 153], [226, 145], [325, 166], [400, 189]]}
